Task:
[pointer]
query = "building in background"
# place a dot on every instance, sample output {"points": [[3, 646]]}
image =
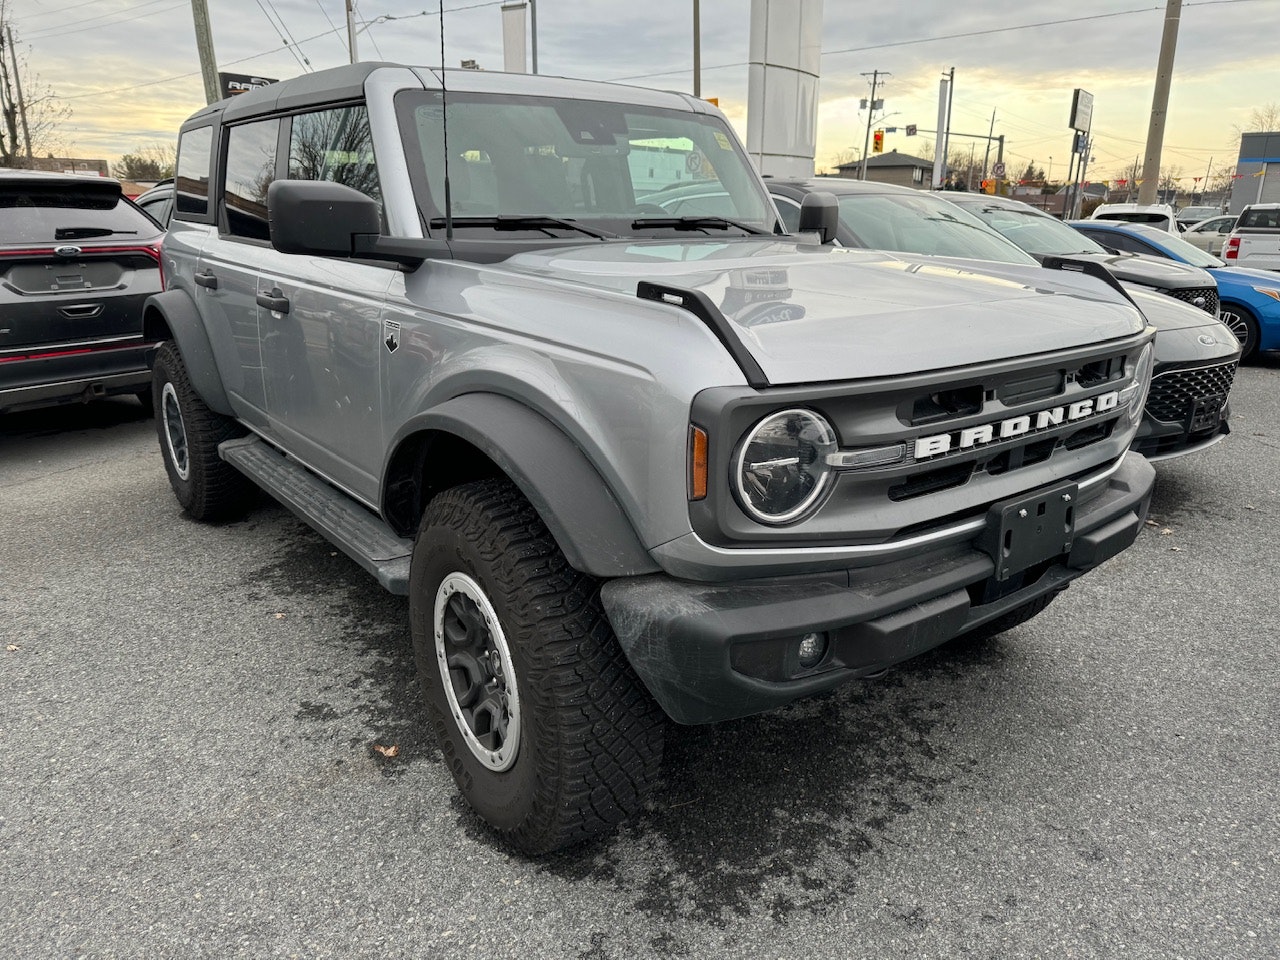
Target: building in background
{"points": [[1257, 171], [892, 167]]}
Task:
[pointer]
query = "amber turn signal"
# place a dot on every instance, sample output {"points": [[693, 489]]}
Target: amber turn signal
{"points": [[697, 463]]}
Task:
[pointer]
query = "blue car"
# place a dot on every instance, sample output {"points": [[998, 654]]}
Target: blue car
{"points": [[1250, 299]]}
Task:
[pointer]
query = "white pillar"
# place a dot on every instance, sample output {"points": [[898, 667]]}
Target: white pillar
{"points": [[514, 34], [782, 85]]}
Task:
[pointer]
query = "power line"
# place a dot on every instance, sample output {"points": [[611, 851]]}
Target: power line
{"points": [[282, 31], [44, 33]]}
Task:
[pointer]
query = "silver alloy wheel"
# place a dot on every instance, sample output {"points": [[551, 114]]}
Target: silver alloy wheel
{"points": [[1237, 324], [175, 432], [476, 671]]}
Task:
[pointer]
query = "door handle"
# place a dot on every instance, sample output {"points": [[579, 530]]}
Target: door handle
{"points": [[206, 280], [274, 300]]}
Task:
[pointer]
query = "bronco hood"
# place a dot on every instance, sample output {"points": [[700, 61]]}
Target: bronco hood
{"points": [[809, 313]]}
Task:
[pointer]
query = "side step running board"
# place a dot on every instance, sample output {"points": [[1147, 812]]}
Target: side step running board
{"points": [[349, 526]]}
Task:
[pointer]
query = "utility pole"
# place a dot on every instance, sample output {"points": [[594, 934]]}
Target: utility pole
{"points": [[697, 49], [871, 111], [1160, 103], [351, 33], [204, 46], [946, 136], [22, 104], [987, 155]]}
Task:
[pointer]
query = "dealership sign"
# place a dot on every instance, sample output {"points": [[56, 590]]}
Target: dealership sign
{"points": [[234, 83]]}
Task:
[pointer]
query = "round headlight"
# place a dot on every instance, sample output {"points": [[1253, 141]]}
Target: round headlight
{"points": [[781, 469], [1142, 383]]}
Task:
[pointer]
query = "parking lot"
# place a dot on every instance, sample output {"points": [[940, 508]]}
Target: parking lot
{"points": [[191, 718]]}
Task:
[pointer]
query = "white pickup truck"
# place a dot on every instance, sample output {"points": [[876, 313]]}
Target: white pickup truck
{"points": [[1255, 241]]}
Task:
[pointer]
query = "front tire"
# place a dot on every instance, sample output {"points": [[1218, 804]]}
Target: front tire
{"points": [[1244, 325], [545, 727], [207, 487]]}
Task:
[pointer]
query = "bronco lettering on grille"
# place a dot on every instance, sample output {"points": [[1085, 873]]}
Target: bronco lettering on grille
{"points": [[971, 437]]}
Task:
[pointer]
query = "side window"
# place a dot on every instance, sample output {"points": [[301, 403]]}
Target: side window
{"points": [[789, 210], [159, 208], [335, 145], [251, 166], [195, 148]]}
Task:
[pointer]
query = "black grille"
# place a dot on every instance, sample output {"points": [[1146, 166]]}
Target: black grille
{"points": [[1174, 392], [1192, 294]]}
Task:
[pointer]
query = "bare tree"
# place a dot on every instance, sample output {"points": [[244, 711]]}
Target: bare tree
{"points": [[44, 112], [1265, 118]]}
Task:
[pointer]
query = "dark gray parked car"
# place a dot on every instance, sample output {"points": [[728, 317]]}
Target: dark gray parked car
{"points": [[1196, 356], [77, 260], [622, 462]]}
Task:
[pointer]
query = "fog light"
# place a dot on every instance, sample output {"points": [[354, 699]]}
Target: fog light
{"points": [[813, 647]]}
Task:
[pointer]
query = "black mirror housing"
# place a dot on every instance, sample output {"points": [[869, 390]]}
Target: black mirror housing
{"points": [[820, 213], [319, 218]]}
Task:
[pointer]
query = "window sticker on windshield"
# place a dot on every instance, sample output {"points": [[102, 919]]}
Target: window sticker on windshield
{"points": [[722, 140]]}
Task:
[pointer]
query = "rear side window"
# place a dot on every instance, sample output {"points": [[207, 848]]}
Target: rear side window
{"points": [[195, 149], [1260, 219], [39, 214], [251, 166], [335, 145]]}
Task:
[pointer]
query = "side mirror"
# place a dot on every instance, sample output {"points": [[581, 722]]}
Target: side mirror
{"points": [[319, 218], [820, 213]]}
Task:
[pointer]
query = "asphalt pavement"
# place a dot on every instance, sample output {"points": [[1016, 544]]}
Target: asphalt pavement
{"points": [[190, 719]]}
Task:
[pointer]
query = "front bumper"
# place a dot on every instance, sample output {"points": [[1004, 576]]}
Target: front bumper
{"points": [[715, 651]]}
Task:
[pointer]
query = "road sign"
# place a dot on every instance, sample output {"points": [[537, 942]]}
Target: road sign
{"points": [[997, 169], [911, 129]]}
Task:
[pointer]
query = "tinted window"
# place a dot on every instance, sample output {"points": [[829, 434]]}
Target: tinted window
{"points": [[195, 148], [335, 145], [1260, 219], [39, 213], [251, 166], [158, 208], [789, 210], [1122, 241]]}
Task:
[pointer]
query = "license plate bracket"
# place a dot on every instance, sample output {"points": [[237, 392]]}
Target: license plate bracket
{"points": [[1024, 531], [1206, 413]]}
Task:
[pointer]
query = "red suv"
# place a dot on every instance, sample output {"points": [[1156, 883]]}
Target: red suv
{"points": [[77, 259]]}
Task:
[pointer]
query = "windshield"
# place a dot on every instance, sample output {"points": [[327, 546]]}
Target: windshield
{"points": [[604, 166], [920, 223], [1157, 219], [1033, 231]]}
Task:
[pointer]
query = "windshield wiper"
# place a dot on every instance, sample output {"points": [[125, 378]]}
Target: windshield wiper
{"points": [[696, 223], [83, 233], [523, 222]]}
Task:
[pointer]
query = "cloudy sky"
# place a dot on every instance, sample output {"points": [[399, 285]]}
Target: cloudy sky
{"points": [[129, 70]]}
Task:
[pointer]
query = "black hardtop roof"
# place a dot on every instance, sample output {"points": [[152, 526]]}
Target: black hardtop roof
{"points": [[347, 82]]}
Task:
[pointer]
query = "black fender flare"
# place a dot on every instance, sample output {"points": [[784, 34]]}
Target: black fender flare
{"points": [[176, 311], [552, 472]]}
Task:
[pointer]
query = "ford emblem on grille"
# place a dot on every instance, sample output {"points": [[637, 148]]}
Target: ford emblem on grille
{"points": [[67, 250], [1207, 340]]}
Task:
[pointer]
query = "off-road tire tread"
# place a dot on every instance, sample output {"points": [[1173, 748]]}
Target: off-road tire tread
{"points": [[216, 490], [602, 747]]}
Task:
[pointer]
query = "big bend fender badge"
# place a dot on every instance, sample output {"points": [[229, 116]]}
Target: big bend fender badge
{"points": [[391, 335]]}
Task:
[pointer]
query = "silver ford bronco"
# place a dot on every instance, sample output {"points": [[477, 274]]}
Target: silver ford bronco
{"points": [[628, 448]]}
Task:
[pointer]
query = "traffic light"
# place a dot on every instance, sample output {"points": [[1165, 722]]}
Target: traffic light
{"points": [[877, 142]]}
